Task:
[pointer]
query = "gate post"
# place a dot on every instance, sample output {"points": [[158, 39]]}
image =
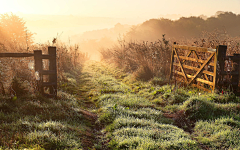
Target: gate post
{"points": [[53, 67], [219, 63], [235, 76], [38, 69]]}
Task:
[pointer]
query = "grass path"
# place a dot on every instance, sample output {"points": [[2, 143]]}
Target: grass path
{"points": [[131, 120], [101, 107]]}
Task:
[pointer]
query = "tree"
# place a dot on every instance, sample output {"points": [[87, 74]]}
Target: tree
{"points": [[13, 30]]}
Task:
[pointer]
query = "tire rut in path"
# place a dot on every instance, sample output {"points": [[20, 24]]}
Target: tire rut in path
{"points": [[93, 135]]}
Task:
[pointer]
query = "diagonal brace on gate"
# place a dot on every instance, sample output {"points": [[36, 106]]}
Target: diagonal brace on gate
{"points": [[201, 68]]}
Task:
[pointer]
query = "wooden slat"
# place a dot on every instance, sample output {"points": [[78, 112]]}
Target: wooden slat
{"points": [[202, 88], [234, 58], [205, 81], [179, 73], [208, 73], [230, 73], [48, 72], [199, 49], [16, 54], [195, 85], [197, 79], [194, 59], [196, 69], [46, 56]]}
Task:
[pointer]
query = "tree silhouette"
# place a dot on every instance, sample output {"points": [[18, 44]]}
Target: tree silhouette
{"points": [[190, 27], [14, 31]]}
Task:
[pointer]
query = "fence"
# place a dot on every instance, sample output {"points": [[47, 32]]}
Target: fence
{"points": [[204, 68], [52, 72]]}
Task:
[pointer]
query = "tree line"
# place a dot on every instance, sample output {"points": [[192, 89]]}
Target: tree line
{"points": [[187, 27]]}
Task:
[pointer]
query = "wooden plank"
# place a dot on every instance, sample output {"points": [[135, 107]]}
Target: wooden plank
{"points": [[230, 73], [197, 79], [234, 58], [195, 85], [195, 69], [202, 88], [16, 54], [208, 73], [199, 49], [201, 69], [180, 73], [46, 56], [48, 72], [194, 59], [205, 81]]}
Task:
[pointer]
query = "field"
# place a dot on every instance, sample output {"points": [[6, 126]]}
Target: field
{"points": [[101, 107]]}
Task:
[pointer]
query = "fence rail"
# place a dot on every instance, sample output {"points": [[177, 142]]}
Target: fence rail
{"points": [[52, 72], [16, 54]]}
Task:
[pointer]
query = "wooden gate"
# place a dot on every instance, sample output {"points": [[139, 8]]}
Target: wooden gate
{"points": [[52, 72], [197, 66]]}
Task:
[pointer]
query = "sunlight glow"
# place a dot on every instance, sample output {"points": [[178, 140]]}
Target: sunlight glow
{"points": [[7, 7]]}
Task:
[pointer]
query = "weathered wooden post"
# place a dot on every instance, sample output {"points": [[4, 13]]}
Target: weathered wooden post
{"points": [[53, 69], [235, 72], [219, 63], [38, 69]]}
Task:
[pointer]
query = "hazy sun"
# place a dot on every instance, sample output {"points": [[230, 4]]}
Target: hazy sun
{"points": [[7, 6]]}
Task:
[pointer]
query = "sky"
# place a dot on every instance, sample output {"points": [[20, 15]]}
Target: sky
{"points": [[74, 17], [119, 8]]}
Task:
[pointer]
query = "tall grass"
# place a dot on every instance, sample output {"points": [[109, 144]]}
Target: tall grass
{"points": [[145, 60], [17, 74]]}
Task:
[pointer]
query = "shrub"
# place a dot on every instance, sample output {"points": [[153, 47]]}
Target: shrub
{"points": [[146, 61]]}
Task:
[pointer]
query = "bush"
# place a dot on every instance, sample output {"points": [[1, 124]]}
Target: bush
{"points": [[144, 60]]}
